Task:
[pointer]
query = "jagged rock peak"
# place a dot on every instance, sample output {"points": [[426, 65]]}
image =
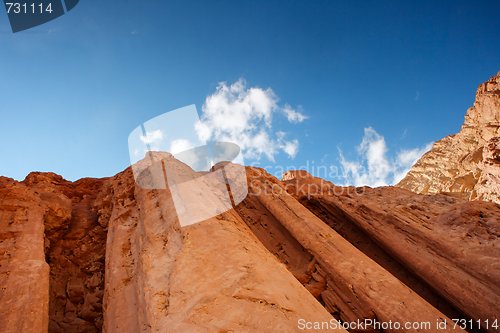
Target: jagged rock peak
{"points": [[467, 163]]}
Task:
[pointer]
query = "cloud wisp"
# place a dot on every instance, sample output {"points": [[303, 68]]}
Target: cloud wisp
{"points": [[373, 166], [292, 115], [152, 137], [244, 115]]}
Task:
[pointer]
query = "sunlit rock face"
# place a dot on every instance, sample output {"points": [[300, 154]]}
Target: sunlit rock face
{"points": [[107, 255], [467, 163], [112, 255]]}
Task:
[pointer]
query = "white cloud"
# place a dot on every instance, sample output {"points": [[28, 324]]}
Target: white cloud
{"points": [[291, 148], [373, 167], [179, 145], [243, 115], [292, 115], [152, 137], [182, 150]]}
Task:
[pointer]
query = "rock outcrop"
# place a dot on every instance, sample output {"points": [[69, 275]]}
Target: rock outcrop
{"points": [[119, 262], [467, 163], [444, 248], [297, 254], [54, 223], [302, 249], [354, 286], [209, 277], [24, 274]]}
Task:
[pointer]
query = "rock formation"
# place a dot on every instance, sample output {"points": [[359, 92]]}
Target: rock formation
{"points": [[443, 247], [24, 274], [120, 262], [467, 163], [108, 255]]}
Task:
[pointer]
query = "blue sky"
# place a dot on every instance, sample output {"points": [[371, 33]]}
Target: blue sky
{"points": [[73, 89]]}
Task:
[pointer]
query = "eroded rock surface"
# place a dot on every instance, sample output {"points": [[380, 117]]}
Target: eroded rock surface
{"points": [[209, 277], [49, 221], [212, 276], [120, 262], [443, 247], [107, 255], [24, 274], [355, 287], [466, 163]]}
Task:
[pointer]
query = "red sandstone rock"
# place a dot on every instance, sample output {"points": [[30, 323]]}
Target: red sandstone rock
{"points": [[298, 249], [357, 287], [224, 273], [213, 276], [24, 274], [448, 243]]}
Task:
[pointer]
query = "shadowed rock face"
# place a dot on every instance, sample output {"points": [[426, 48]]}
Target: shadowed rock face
{"points": [[467, 163], [60, 224]]}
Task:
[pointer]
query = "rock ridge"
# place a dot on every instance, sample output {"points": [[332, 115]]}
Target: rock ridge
{"points": [[466, 163]]}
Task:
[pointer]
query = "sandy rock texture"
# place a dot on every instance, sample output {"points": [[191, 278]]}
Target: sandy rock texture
{"points": [[107, 255], [120, 262], [354, 286], [214, 276], [466, 163], [24, 274], [111, 255], [47, 221], [444, 248]]}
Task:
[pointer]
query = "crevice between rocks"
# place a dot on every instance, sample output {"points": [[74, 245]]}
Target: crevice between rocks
{"points": [[342, 304], [335, 218], [75, 246]]}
